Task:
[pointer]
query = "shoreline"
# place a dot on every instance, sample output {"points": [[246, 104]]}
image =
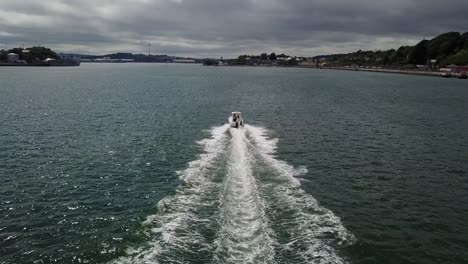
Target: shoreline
{"points": [[407, 72], [58, 64], [452, 75]]}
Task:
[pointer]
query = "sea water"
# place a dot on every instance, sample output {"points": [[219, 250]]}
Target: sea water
{"points": [[134, 163]]}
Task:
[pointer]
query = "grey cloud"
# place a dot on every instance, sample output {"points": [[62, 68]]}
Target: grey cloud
{"points": [[222, 27]]}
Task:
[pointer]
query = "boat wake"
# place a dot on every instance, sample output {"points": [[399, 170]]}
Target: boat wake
{"points": [[307, 229], [245, 236], [238, 203]]}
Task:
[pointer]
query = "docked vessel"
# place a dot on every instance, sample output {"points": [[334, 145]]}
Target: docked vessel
{"points": [[235, 120]]}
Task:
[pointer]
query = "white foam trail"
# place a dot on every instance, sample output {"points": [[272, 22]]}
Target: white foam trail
{"points": [[311, 227], [304, 229], [267, 148], [245, 236], [176, 213]]}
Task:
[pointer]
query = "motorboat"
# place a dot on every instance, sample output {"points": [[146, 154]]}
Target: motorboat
{"points": [[235, 120]]}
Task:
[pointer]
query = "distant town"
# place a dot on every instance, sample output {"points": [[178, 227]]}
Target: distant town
{"points": [[445, 55], [121, 57], [41, 56]]}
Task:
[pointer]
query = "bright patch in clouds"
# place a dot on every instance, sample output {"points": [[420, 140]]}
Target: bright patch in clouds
{"points": [[214, 28]]}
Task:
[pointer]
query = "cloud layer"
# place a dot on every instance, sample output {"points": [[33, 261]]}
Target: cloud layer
{"points": [[225, 27]]}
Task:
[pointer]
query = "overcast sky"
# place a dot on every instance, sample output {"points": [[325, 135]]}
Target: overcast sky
{"points": [[227, 28]]}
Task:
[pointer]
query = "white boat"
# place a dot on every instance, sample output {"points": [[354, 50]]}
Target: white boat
{"points": [[235, 120]]}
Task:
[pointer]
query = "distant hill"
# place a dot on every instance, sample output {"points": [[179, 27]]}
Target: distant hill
{"points": [[445, 49], [30, 55]]}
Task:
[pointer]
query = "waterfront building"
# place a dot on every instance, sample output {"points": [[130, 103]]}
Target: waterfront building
{"points": [[457, 69], [12, 57]]}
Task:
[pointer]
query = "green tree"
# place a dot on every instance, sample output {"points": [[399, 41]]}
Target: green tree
{"points": [[463, 41], [399, 57], [210, 62], [418, 53], [242, 59], [291, 62], [264, 56], [443, 45], [272, 56], [461, 58], [449, 47], [35, 53]]}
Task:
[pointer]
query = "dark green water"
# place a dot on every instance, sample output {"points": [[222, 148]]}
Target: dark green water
{"points": [[131, 163]]}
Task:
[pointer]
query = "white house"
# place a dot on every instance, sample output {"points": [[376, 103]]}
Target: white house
{"points": [[12, 57]]}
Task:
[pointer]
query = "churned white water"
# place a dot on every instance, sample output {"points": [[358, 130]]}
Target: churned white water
{"points": [[171, 226], [310, 227], [244, 236], [253, 212]]}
